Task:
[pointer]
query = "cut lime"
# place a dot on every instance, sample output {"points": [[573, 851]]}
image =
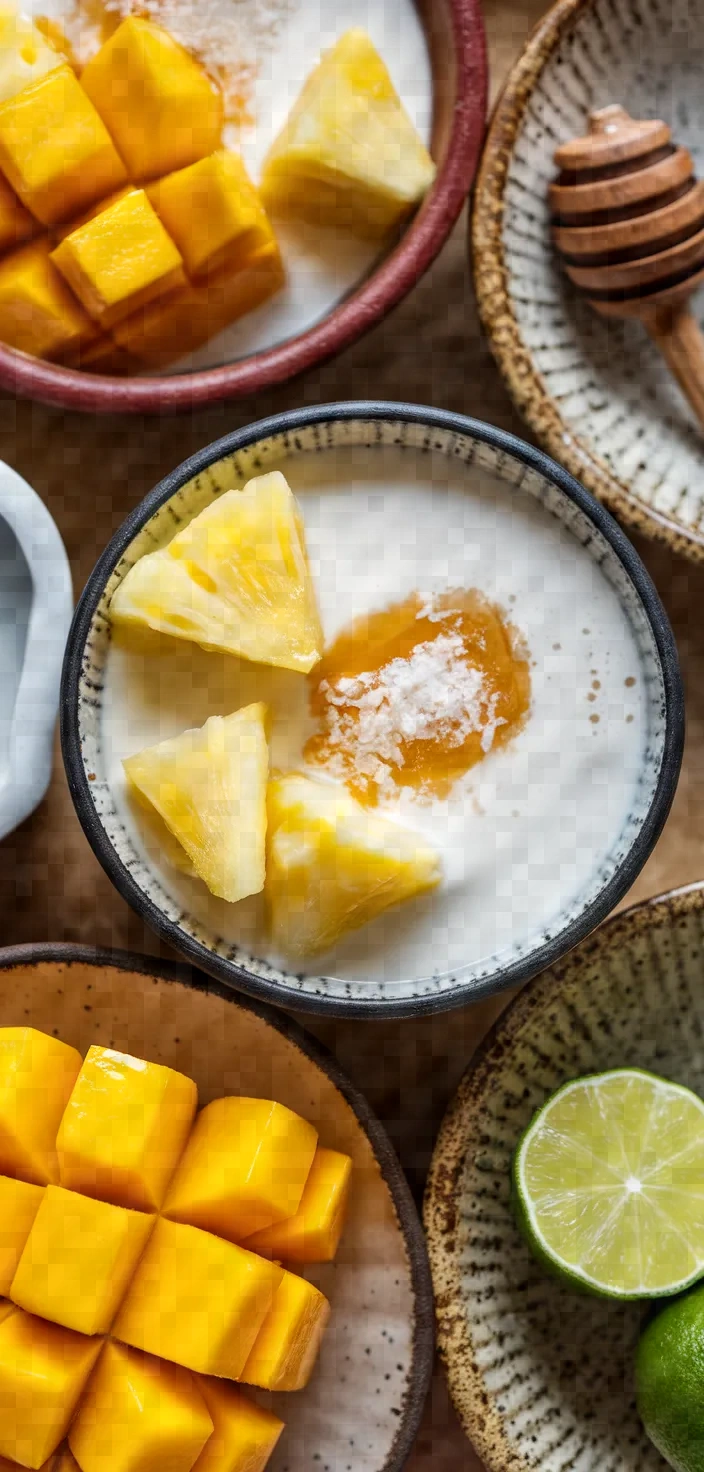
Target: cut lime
{"points": [[609, 1184]]}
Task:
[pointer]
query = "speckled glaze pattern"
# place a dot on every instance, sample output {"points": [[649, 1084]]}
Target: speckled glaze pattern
{"points": [[595, 392], [540, 1376]]}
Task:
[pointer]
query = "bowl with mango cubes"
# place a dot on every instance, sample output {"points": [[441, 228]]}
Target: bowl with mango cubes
{"points": [[156, 252], [209, 1257]]}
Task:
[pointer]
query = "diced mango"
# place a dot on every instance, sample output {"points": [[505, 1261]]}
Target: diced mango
{"points": [[313, 1234], [197, 1300], [286, 1347], [37, 1074], [245, 1166], [213, 212], [19, 1204], [139, 1415], [124, 1129], [78, 1260], [38, 313], [43, 1371], [16, 223], [54, 149], [101, 356], [63, 1461], [244, 1435], [24, 53], [158, 103], [120, 260]]}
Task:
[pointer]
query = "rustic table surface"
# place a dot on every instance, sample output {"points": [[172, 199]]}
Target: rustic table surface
{"points": [[91, 472]]}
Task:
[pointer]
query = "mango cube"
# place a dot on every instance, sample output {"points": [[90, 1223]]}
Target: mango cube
{"points": [[54, 149], [19, 1204], [78, 1260], [24, 53], [120, 259], [244, 1435], [197, 1300], [16, 223], [213, 212], [138, 1414], [157, 102], [43, 1371], [245, 1166], [313, 1234], [38, 313], [124, 1129], [37, 1074], [286, 1347]]}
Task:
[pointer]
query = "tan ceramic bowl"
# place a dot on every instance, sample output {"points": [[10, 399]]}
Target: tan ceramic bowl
{"points": [[594, 392]]}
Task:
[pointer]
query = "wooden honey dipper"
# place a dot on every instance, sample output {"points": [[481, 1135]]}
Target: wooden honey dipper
{"points": [[628, 220]]}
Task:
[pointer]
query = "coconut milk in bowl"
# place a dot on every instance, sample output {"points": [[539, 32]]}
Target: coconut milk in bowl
{"points": [[498, 679]]}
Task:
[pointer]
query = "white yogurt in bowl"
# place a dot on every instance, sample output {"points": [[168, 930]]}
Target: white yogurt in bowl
{"points": [[540, 839]]}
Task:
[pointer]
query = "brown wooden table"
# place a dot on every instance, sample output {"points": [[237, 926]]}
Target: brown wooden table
{"points": [[92, 471]]}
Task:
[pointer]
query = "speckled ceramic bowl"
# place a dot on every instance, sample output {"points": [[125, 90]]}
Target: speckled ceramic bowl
{"points": [[362, 1408], [595, 392], [540, 1376]]}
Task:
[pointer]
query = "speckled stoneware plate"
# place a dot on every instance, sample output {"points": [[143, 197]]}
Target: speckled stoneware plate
{"points": [[540, 1376], [361, 1410], [595, 392]]}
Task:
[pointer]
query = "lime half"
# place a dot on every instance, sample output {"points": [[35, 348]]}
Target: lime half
{"points": [[609, 1184]]}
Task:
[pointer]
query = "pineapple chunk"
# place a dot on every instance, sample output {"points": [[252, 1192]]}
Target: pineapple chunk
{"points": [[209, 786], [349, 154], [332, 866], [237, 579]]}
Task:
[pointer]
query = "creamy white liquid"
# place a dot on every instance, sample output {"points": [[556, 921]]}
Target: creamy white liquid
{"points": [[522, 835]]}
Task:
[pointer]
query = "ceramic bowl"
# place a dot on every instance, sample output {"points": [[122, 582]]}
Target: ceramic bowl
{"points": [[36, 604], [437, 53], [365, 1400], [595, 392], [353, 465]]}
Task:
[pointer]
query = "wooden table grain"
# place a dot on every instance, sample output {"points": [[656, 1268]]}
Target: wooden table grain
{"points": [[91, 472]]}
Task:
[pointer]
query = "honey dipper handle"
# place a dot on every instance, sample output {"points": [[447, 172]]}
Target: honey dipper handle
{"points": [[681, 342]]}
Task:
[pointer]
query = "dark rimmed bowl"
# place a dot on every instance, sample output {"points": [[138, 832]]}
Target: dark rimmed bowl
{"points": [[455, 35], [365, 1401], [416, 431]]}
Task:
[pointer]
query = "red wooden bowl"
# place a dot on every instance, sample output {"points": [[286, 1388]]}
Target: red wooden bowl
{"points": [[455, 35]]}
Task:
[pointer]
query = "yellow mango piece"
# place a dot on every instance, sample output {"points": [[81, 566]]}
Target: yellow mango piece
{"points": [[24, 53], [286, 1348], [124, 1129], [19, 1204], [78, 1260], [16, 223], [348, 154], [120, 259], [245, 1166], [38, 313], [139, 1414], [197, 1300], [43, 1371], [101, 356], [157, 102], [313, 1233], [244, 1435], [55, 150], [213, 212], [37, 1074]]}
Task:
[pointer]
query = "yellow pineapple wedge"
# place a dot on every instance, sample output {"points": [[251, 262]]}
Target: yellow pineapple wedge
{"points": [[348, 154], [332, 866], [209, 786], [236, 579]]}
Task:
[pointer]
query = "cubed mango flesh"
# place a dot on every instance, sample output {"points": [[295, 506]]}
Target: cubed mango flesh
{"points": [[78, 1260], [124, 1129], [120, 259], [43, 1371], [37, 1074], [38, 312], [139, 1415], [24, 53], [286, 1348], [16, 223], [101, 356], [160, 106], [19, 1204], [244, 1434], [313, 1234], [55, 150], [213, 212], [197, 1300], [245, 1166]]}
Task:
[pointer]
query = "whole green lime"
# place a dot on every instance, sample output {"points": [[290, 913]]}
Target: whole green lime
{"points": [[670, 1382]]}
